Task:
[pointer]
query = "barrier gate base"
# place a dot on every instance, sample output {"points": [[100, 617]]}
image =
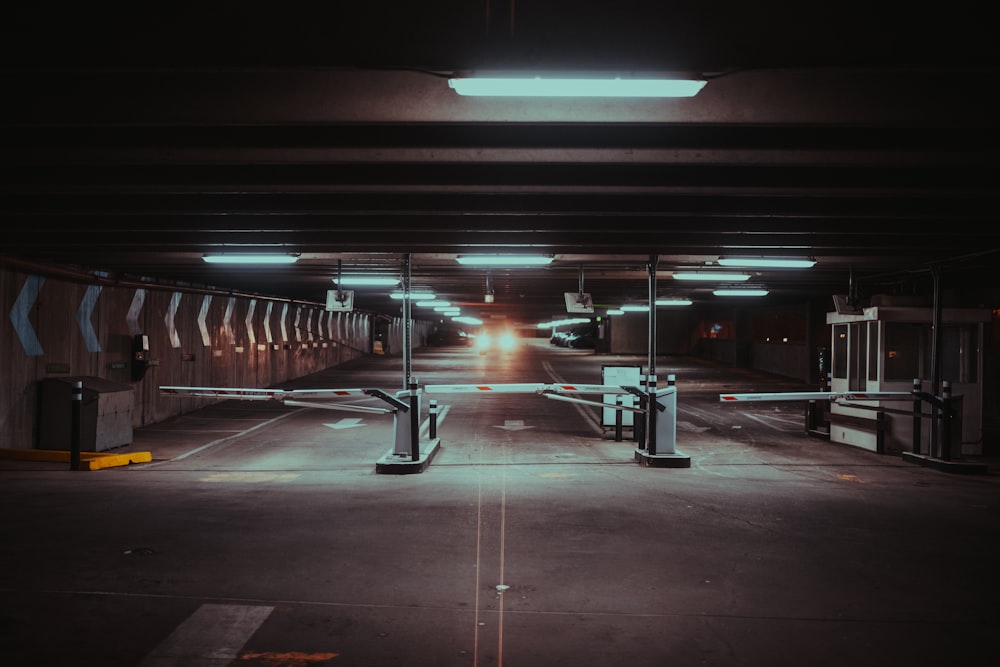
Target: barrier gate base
{"points": [[666, 455], [403, 463]]}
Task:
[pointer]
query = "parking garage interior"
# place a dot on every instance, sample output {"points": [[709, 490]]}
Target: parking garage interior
{"points": [[627, 439]]}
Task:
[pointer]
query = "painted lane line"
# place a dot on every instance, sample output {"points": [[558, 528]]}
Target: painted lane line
{"points": [[210, 637], [220, 441]]}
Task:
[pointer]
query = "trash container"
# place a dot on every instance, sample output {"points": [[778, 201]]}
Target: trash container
{"points": [[105, 414]]}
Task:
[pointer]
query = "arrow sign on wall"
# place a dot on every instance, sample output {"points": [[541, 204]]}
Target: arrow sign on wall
{"points": [[251, 334], [206, 339], [20, 315], [175, 303], [83, 318], [132, 319]]}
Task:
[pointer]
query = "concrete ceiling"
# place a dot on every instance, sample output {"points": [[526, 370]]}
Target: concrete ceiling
{"points": [[135, 142]]}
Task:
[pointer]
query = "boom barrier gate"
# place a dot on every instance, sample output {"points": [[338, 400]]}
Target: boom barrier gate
{"points": [[662, 451], [940, 450]]}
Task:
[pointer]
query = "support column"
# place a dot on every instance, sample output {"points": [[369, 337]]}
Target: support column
{"points": [[662, 428], [407, 455]]}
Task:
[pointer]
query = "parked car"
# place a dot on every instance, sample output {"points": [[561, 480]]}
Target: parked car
{"points": [[448, 336], [584, 338], [578, 337]]}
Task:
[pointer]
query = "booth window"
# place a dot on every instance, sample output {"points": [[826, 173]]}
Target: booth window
{"points": [[840, 351], [873, 352], [907, 351], [858, 356], [960, 353]]}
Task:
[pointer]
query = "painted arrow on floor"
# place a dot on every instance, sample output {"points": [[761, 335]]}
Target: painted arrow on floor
{"points": [[347, 422], [514, 425]]}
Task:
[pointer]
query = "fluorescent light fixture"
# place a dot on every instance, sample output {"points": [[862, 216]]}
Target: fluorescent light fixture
{"points": [[468, 320], [768, 262], [740, 292], [563, 322], [422, 296], [503, 260], [238, 258], [574, 87], [643, 308], [710, 276], [615, 311], [367, 281], [432, 303]]}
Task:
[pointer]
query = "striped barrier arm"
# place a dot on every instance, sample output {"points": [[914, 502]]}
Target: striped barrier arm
{"points": [[819, 396]]}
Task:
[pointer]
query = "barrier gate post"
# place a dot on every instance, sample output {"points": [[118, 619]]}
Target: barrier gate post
{"points": [[664, 403], [407, 455]]}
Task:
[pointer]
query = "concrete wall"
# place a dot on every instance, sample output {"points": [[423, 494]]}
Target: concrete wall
{"points": [[629, 333], [58, 327]]}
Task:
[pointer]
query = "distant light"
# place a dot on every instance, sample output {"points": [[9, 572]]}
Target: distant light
{"points": [[432, 303], [370, 281], [710, 276], [635, 308], [673, 302], [465, 319], [616, 311], [768, 262], [503, 260], [574, 87], [506, 340], [740, 292], [237, 258]]}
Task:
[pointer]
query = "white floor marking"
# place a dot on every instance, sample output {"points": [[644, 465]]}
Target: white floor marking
{"points": [[222, 440], [346, 422], [210, 637]]}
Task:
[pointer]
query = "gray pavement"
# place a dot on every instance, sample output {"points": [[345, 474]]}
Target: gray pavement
{"points": [[261, 534]]}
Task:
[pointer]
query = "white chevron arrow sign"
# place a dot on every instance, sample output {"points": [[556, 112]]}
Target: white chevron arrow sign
{"points": [[83, 318], [20, 315]]}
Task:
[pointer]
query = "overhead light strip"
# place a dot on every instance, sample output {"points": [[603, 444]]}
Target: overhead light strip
{"points": [[247, 258], [768, 262], [504, 260], [740, 292], [574, 87], [711, 276], [367, 281]]}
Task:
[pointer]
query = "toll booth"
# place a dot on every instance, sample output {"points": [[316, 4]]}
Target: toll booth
{"points": [[889, 347]]}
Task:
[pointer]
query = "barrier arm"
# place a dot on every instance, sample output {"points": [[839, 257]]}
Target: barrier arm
{"points": [[305, 398], [560, 391], [599, 404], [820, 396]]}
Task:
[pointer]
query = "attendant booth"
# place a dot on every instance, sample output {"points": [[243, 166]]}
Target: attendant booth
{"points": [[888, 347]]}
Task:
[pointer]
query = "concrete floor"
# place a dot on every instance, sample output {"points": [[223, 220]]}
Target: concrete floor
{"points": [[261, 535]]}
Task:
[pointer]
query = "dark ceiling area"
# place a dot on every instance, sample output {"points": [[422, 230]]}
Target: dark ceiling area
{"points": [[137, 141]]}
